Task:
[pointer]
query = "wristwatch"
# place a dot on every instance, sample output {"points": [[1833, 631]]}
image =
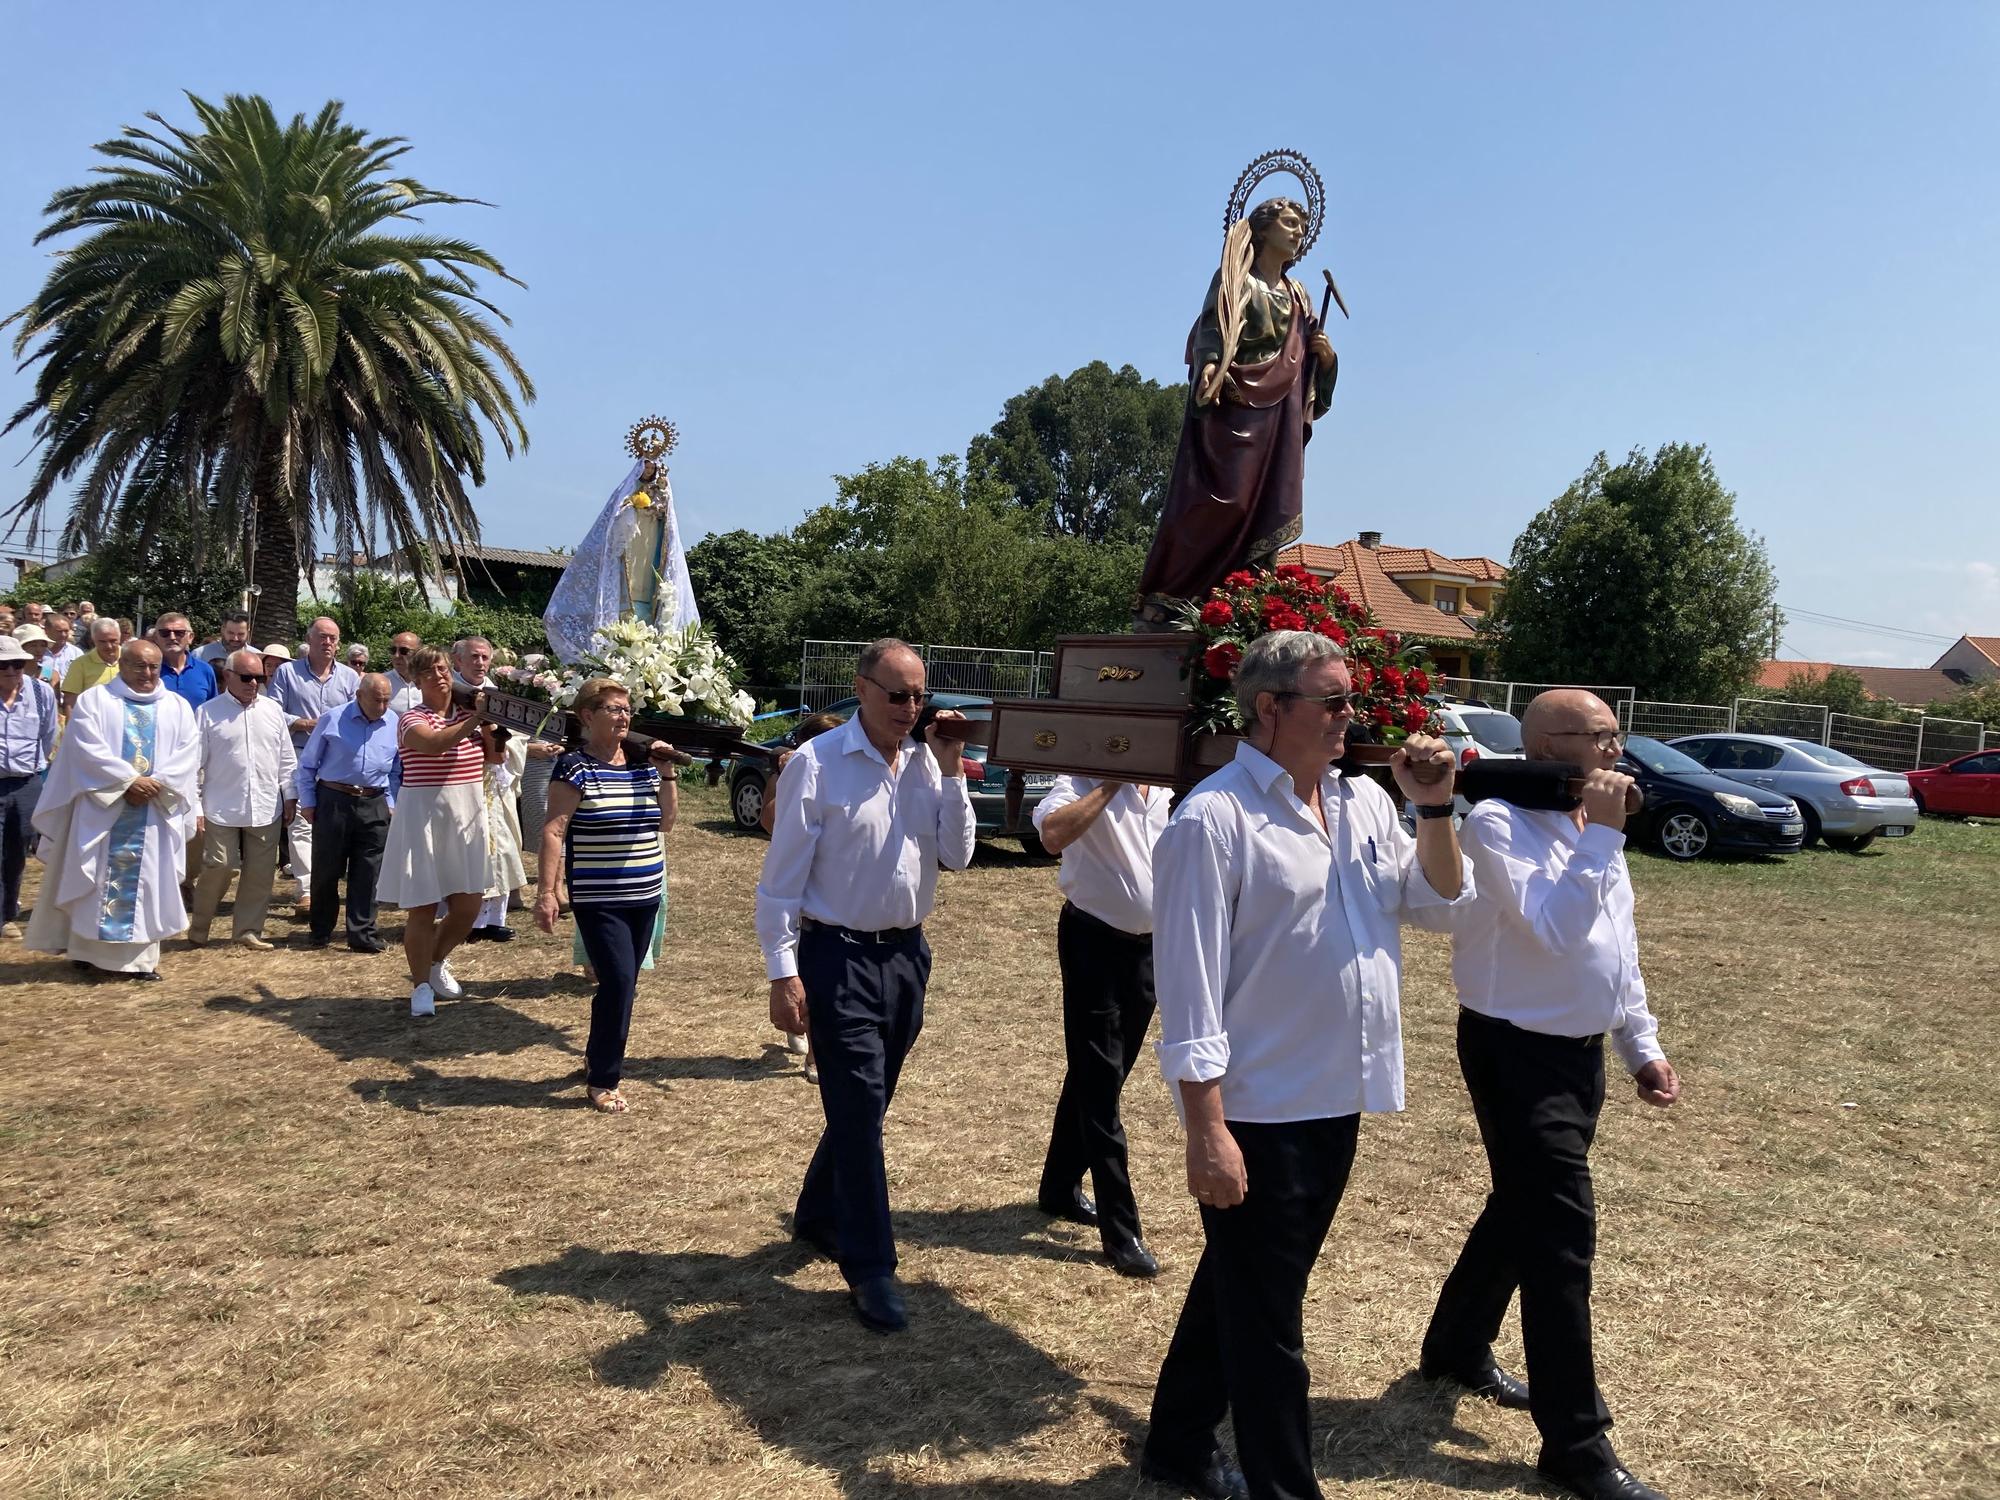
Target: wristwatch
{"points": [[1433, 809]]}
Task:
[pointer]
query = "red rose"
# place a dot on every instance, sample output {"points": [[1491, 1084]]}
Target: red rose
{"points": [[1288, 619], [1340, 597], [1416, 717], [1393, 677], [1332, 632], [1221, 659], [1216, 612], [1393, 641], [1292, 571], [1242, 578], [1418, 681], [1384, 715]]}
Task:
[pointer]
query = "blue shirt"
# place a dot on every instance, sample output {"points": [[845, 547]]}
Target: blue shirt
{"points": [[28, 729], [345, 746], [303, 696], [195, 682]]}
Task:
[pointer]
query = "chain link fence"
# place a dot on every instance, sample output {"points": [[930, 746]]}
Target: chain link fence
{"points": [[1889, 743], [827, 668], [1516, 696], [1940, 740], [1795, 721], [1663, 721]]}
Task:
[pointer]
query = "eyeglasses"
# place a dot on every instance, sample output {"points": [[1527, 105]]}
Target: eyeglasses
{"points": [[1606, 740], [251, 677], [176, 633], [1333, 703], [623, 710], [899, 698], [400, 650]]}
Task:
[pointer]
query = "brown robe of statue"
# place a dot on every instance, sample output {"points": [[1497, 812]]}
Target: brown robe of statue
{"points": [[1237, 491]]}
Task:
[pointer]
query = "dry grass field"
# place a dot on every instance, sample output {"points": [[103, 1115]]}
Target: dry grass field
{"points": [[260, 1235]]}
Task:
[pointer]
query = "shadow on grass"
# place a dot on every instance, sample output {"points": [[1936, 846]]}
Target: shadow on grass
{"points": [[426, 1090], [354, 1028], [1001, 1229]]}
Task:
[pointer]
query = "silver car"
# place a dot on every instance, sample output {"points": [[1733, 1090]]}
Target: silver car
{"points": [[1847, 802]]}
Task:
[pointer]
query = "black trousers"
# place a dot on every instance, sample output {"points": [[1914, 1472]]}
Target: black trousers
{"points": [[1240, 1344], [864, 1009], [349, 834], [615, 940], [18, 796], [1537, 1100], [1107, 979]]}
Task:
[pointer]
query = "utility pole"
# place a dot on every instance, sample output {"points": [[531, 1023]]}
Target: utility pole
{"points": [[1774, 632]]}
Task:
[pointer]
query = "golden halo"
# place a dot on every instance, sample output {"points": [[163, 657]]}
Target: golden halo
{"points": [[1270, 164], [652, 439]]}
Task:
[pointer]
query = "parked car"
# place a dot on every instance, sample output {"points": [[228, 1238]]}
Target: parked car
{"points": [[1494, 731], [1847, 802], [1966, 787], [1690, 811], [986, 782]]}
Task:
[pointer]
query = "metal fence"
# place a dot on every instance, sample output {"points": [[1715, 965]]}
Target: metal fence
{"points": [[1795, 721], [1515, 696], [826, 671], [1889, 743], [1940, 740], [1663, 721]]}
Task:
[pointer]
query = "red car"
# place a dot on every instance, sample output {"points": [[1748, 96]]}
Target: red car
{"points": [[1968, 785]]}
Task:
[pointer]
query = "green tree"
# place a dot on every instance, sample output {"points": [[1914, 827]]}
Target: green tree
{"points": [[1639, 574], [137, 575], [1980, 701], [1839, 690], [742, 581], [237, 332], [1091, 451]]}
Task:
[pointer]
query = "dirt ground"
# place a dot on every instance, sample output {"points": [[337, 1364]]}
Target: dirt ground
{"points": [[263, 1235]]}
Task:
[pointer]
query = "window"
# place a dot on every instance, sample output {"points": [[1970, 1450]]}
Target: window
{"points": [[1745, 755], [1447, 600]]}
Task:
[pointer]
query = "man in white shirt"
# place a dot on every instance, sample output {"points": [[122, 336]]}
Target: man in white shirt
{"points": [[864, 817], [404, 694], [247, 763], [1279, 886], [1104, 831], [1546, 963], [62, 650]]}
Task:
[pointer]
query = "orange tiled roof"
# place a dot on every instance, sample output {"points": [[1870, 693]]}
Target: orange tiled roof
{"points": [[1987, 646], [1912, 686], [1399, 560], [1359, 570]]}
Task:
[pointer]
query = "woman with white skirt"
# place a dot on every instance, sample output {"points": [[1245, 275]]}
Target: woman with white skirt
{"points": [[440, 847]]}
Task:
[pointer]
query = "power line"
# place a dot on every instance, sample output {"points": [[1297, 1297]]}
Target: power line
{"points": [[1899, 631]]}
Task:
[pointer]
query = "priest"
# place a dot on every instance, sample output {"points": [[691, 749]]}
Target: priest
{"points": [[116, 814]]}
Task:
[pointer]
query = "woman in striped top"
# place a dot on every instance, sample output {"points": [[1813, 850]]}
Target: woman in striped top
{"points": [[438, 848], [607, 821]]}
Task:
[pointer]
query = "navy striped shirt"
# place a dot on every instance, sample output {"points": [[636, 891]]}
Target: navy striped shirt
{"points": [[613, 848]]}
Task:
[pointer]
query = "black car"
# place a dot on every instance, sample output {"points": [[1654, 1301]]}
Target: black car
{"points": [[1690, 811]]}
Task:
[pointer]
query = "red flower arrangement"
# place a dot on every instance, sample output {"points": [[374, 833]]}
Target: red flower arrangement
{"points": [[1391, 677]]}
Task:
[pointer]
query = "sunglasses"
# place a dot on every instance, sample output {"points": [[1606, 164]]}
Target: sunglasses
{"points": [[400, 650], [176, 633], [900, 698], [251, 677], [1333, 703], [13, 666]]}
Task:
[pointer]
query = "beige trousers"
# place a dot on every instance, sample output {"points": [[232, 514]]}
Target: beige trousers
{"points": [[254, 851]]}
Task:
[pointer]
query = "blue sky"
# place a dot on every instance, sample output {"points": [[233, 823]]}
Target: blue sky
{"points": [[820, 235]]}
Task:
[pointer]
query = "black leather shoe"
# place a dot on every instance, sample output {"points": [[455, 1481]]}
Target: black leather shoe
{"points": [[878, 1303], [496, 933], [1613, 1482], [1132, 1259], [819, 1237], [1077, 1207], [1487, 1381], [1218, 1479], [366, 945]]}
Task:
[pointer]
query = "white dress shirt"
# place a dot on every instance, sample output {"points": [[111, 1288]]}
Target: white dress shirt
{"points": [[856, 843], [247, 760], [405, 695], [1550, 944], [1107, 870], [1276, 951]]}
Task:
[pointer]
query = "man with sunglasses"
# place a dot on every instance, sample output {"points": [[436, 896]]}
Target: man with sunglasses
{"points": [[28, 714], [247, 764], [181, 672], [404, 694], [864, 816], [1278, 889], [1546, 963]]}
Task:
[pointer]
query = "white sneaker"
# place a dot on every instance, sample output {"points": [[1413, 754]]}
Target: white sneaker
{"points": [[10, 929], [423, 1004], [443, 983], [796, 1044]]}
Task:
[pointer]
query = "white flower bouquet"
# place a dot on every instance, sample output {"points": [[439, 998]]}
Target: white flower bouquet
{"points": [[681, 673]]}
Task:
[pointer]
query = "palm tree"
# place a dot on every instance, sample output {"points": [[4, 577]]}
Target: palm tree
{"points": [[239, 334]]}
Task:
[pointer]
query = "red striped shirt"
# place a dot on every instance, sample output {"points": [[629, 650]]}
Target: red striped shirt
{"points": [[465, 761]]}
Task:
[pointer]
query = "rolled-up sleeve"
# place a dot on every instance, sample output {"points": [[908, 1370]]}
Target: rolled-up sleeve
{"points": [[956, 829], [1192, 907], [781, 888]]}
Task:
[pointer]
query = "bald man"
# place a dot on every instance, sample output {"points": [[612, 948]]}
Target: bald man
{"points": [[309, 688], [247, 766], [347, 792], [1546, 963]]}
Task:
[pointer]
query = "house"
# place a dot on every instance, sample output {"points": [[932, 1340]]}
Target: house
{"points": [[1417, 592], [1913, 687], [1972, 658], [503, 577]]}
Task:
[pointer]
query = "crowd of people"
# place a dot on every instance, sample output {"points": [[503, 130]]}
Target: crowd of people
{"points": [[1258, 919]]}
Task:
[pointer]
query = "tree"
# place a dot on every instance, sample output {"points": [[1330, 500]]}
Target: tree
{"points": [[1639, 575], [137, 575], [742, 581], [1091, 451], [1980, 701], [1839, 690], [237, 333]]}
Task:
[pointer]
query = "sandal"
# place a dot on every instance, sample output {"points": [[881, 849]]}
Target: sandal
{"points": [[607, 1101]]}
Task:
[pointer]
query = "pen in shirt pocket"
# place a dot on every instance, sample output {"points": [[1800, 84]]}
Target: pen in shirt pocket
{"points": [[1371, 850]]}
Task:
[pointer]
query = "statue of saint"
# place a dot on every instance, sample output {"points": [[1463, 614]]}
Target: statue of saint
{"points": [[1260, 369]]}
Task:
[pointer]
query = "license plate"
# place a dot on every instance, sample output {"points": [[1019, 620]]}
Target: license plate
{"points": [[1789, 829], [1895, 833]]}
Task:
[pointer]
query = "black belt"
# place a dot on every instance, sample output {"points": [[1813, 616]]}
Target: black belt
{"points": [[363, 792], [858, 935]]}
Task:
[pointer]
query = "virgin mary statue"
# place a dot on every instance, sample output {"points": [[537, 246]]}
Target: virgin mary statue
{"points": [[631, 565]]}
